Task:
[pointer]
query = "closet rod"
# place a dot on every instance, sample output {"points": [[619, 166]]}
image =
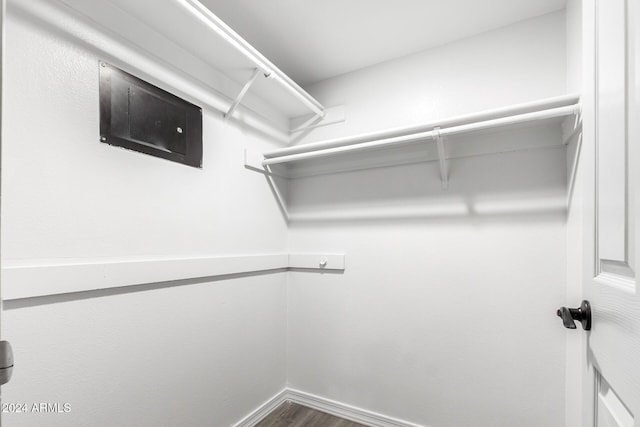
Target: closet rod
{"points": [[469, 127], [201, 12]]}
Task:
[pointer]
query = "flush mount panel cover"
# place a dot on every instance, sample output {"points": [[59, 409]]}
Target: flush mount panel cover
{"points": [[139, 116]]}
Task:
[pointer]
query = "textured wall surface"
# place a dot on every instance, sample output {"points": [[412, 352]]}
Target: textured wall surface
{"points": [[181, 353], [445, 315]]}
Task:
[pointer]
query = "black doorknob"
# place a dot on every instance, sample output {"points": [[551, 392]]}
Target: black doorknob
{"points": [[581, 314]]}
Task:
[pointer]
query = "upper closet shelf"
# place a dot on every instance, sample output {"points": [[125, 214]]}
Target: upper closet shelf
{"points": [[262, 64], [190, 26], [482, 126]]}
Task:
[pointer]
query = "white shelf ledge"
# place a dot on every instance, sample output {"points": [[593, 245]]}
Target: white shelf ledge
{"points": [[192, 27], [519, 113], [36, 278], [438, 133], [235, 41]]}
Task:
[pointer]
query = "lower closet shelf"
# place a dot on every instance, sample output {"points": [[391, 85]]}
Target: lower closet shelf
{"points": [[35, 278]]}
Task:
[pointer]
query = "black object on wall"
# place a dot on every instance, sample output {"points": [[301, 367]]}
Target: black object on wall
{"points": [[142, 117]]}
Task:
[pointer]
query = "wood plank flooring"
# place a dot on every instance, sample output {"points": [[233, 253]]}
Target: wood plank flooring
{"points": [[291, 414]]}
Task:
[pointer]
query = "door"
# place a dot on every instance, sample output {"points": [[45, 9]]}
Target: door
{"points": [[2, 16], [611, 132]]}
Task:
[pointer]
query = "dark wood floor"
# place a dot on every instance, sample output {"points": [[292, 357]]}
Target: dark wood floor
{"points": [[293, 415]]}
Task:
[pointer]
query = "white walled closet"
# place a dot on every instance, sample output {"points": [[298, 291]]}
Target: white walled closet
{"points": [[147, 293]]}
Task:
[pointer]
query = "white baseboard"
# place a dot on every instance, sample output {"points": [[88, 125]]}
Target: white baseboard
{"points": [[256, 416], [352, 413], [332, 407]]}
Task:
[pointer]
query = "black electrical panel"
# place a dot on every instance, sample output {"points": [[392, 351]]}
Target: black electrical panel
{"points": [[139, 116]]}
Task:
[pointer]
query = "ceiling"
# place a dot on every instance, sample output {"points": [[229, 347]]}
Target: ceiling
{"points": [[315, 40]]}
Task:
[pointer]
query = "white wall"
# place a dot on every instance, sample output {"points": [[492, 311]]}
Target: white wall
{"points": [[515, 64], [443, 317], [194, 352], [445, 314]]}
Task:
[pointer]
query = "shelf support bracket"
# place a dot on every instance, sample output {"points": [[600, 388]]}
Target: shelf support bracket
{"points": [[568, 134], [444, 173], [242, 93]]}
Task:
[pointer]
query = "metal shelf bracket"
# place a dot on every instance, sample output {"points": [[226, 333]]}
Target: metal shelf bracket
{"points": [[242, 93], [444, 173]]}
